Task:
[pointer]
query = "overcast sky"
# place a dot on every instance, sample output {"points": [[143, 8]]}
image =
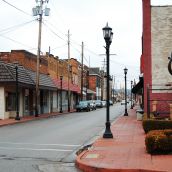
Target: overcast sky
{"points": [[85, 20]]}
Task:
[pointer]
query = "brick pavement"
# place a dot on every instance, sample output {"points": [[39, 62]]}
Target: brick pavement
{"points": [[126, 152]]}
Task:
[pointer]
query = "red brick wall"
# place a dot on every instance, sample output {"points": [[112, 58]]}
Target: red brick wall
{"points": [[92, 83], [164, 104], [27, 59], [146, 54]]}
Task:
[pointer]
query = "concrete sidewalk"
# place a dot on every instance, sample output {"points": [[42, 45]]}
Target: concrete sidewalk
{"points": [[125, 152], [12, 121]]}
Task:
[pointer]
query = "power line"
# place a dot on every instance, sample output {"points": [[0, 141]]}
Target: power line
{"points": [[54, 33], [59, 47], [58, 14], [16, 8], [16, 41], [55, 28], [91, 51], [10, 29], [73, 41], [123, 64]]}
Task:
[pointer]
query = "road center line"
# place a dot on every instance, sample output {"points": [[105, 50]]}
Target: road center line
{"points": [[32, 149], [41, 144]]}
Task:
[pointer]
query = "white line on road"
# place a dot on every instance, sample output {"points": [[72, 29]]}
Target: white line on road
{"points": [[41, 144], [57, 150]]}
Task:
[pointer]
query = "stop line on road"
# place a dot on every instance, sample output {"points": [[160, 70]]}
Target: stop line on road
{"points": [[33, 146]]}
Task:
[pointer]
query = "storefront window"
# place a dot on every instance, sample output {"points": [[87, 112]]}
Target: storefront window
{"points": [[45, 99], [11, 102]]}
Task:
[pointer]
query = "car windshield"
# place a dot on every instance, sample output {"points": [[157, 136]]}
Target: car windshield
{"points": [[90, 101], [82, 103], [98, 101]]}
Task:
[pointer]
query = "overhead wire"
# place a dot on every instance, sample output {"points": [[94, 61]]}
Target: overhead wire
{"points": [[16, 8], [16, 41], [58, 14], [75, 42], [12, 28], [53, 31], [59, 47], [45, 21], [72, 40]]}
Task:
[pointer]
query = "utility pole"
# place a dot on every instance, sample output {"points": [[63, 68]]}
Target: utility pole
{"points": [[68, 71], [82, 58], [105, 71], [38, 11]]}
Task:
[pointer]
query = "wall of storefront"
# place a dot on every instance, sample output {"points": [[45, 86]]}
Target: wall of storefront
{"points": [[55, 101], [2, 103], [157, 30]]}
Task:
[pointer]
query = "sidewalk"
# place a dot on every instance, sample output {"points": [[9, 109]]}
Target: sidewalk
{"points": [[12, 121], [125, 152]]}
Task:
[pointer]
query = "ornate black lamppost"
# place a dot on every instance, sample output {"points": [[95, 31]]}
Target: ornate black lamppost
{"points": [[61, 78], [17, 98], [108, 34], [125, 72], [131, 95]]}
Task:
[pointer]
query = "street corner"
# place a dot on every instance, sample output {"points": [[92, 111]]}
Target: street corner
{"points": [[88, 160]]}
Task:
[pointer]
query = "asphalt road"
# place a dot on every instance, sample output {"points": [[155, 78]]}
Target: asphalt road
{"points": [[50, 144]]}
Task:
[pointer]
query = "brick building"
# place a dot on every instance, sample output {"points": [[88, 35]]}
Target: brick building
{"points": [[50, 70], [95, 82], [26, 65], [156, 48]]}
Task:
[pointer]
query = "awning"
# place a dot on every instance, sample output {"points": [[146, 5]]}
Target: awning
{"points": [[26, 77], [137, 89]]}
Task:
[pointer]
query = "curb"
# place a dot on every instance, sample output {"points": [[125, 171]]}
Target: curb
{"points": [[88, 168], [23, 120]]}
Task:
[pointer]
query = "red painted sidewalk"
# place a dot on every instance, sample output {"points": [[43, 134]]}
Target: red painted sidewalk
{"points": [[31, 118], [125, 152]]}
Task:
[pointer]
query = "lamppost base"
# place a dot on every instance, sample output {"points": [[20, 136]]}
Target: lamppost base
{"points": [[61, 111], [108, 133], [125, 114], [17, 118], [131, 107]]}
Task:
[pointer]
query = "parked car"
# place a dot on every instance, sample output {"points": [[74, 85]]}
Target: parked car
{"points": [[83, 106], [123, 102], [99, 103], [92, 104], [104, 103], [110, 102]]}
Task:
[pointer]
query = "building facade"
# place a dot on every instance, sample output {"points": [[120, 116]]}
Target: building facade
{"points": [[56, 77], [156, 48]]}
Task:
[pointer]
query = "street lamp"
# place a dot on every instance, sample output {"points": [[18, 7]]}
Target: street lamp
{"points": [[125, 72], [17, 98], [61, 78], [108, 34], [131, 95]]}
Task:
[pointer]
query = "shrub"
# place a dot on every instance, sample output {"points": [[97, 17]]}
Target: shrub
{"points": [[159, 141], [153, 124]]}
